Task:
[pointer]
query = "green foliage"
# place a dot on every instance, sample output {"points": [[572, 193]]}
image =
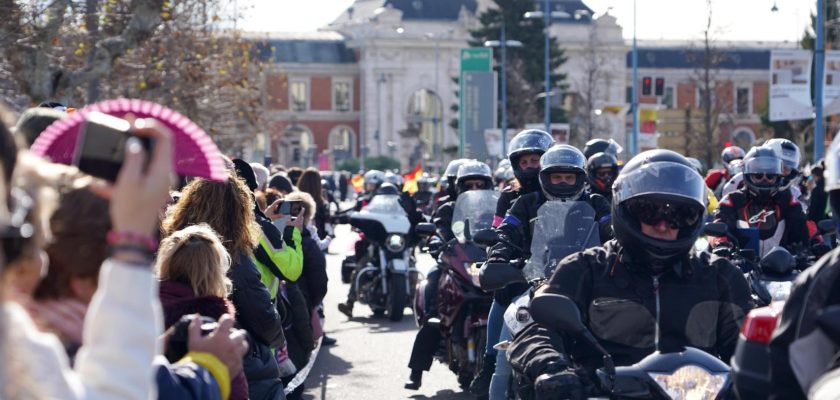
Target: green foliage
{"points": [[381, 163], [350, 164]]}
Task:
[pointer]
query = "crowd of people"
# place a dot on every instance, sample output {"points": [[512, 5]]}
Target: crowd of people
{"points": [[188, 288], [206, 288]]}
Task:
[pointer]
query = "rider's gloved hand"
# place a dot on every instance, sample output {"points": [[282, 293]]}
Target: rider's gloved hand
{"points": [[564, 384]]}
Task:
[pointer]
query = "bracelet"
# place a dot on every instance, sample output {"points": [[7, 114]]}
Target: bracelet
{"points": [[148, 242]]}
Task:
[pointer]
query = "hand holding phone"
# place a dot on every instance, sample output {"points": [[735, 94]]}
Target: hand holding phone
{"points": [[100, 151]]}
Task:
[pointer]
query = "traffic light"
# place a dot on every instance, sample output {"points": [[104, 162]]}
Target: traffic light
{"points": [[659, 90], [646, 86]]}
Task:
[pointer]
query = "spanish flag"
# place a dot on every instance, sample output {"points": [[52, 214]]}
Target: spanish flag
{"points": [[358, 183], [411, 178]]}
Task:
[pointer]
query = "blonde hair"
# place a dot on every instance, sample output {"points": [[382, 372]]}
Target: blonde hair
{"points": [[195, 256], [306, 200]]}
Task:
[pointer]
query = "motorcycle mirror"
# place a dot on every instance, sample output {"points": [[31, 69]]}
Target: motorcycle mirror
{"points": [[716, 229], [829, 322], [557, 312], [486, 237], [778, 261], [425, 229], [826, 226], [495, 276]]}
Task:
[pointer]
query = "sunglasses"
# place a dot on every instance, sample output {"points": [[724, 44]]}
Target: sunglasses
{"points": [[769, 178], [652, 212], [604, 174], [474, 185]]}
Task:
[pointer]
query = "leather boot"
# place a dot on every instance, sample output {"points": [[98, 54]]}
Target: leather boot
{"points": [[480, 386], [346, 309], [415, 380]]}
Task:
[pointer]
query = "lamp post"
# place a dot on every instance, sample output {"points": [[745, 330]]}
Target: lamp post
{"points": [[819, 59], [634, 101], [503, 44], [547, 17]]}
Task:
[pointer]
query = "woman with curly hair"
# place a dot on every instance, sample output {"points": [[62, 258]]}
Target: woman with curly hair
{"points": [[228, 208]]}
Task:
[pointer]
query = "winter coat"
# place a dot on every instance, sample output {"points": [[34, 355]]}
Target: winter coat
{"points": [[313, 280], [178, 300], [257, 314], [699, 302], [297, 327]]}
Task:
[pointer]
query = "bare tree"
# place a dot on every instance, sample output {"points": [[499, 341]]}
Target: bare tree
{"points": [[712, 107], [591, 88]]}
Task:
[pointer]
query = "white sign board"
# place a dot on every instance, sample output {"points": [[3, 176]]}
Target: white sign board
{"points": [[790, 85]]}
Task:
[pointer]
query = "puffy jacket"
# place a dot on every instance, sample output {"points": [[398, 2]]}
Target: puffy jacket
{"points": [[313, 281], [256, 312], [700, 302], [186, 379], [297, 325], [816, 288], [779, 221]]}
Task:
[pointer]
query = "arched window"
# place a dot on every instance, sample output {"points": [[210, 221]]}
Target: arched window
{"points": [[342, 144], [743, 138], [296, 147]]}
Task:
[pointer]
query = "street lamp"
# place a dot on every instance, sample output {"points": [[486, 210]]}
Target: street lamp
{"points": [[547, 17], [504, 44]]}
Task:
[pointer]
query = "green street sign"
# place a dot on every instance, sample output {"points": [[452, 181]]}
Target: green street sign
{"points": [[476, 59]]}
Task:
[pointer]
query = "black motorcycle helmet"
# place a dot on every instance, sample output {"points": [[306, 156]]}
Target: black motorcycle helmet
{"points": [[601, 146], [597, 161], [653, 185], [731, 153], [474, 170], [529, 141], [562, 158], [451, 174], [762, 172], [387, 188]]}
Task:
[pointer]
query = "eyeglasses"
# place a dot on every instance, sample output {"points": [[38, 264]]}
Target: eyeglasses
{"points": [[769, 178], [652, 212]]}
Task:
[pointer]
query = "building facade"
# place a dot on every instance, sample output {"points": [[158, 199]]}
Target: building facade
{"points": [[378, 81]]}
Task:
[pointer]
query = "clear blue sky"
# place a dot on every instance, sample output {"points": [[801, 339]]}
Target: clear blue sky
{"points": [[657, 19]]}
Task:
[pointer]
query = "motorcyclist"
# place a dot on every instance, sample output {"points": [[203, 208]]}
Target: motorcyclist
{"points": [[472, 175], [423, 195], [500, 176], [524, 154], [712, 203], [794, 364], [448, 189], [601, 146], [717, 178], [373, 179], [762, 207], [601, 171], [645, 290]]}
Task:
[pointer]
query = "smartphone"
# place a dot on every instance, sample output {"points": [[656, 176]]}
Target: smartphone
{"points": [[289, 207], [100, 151]]}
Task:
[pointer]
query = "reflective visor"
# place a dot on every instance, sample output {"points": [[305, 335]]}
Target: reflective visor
{"points": [[763, 165], [661, 178]]}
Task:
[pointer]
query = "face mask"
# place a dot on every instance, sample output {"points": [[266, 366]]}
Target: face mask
{"points": [[528, 176]]}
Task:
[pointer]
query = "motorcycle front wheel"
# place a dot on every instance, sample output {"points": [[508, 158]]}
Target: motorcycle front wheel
{"points": [[396, 297]]}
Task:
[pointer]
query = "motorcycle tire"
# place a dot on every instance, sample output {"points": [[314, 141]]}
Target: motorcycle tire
{"points": [[397, 297]]}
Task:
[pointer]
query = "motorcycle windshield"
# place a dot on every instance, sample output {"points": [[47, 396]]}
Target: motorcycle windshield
{"points": [[385, 204], [561, 228], [474, 210]]}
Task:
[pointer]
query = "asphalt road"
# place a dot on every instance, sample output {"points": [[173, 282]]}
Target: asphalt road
{"points": [[371, 357]]}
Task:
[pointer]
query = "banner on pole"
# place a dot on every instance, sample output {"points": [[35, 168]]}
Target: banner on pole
{"points": [[790, 85], [477, 101], [831, 80], [647, 128]]}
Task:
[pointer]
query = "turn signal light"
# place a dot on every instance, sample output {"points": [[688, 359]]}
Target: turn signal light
{"points": [[760, 323]]}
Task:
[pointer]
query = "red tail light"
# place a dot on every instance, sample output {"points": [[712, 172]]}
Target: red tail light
{"points": [[759, 324]]}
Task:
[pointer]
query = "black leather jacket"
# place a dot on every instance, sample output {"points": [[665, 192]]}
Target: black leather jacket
{"points": [[700, 302]]}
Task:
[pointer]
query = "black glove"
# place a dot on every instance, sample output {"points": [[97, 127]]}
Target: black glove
{"points": [[558, 385]]}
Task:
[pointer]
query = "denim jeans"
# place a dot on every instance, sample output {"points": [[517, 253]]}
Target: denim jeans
{"points": [[495, 321], [500, 382]]}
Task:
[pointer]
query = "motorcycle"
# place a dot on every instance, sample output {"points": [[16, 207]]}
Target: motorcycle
{"points": [[387, 280], [463, 306], [687, 374]]}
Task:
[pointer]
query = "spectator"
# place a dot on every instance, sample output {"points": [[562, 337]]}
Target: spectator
{"points": [[310, 182], [281, 183], [294, 174], [34, 121], [261, 173], [192, 265], [343, 182], [227, 207]]}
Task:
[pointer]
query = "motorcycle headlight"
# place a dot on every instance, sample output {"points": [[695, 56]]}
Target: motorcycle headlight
{"points": [[691, 382], [395, 243], [778, 290]]}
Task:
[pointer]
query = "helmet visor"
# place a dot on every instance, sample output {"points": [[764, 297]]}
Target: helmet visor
{"points": [[661, 179], [763, 165]]}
